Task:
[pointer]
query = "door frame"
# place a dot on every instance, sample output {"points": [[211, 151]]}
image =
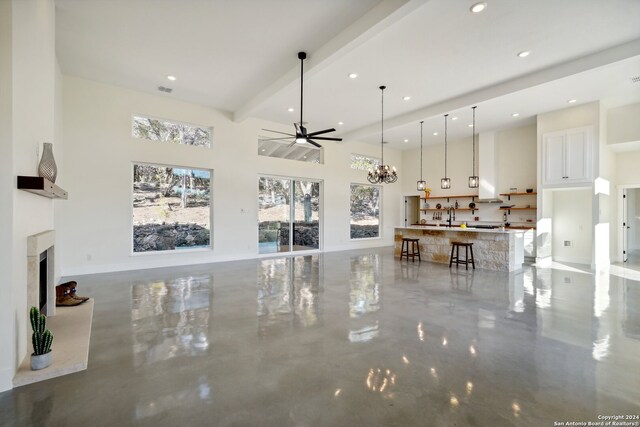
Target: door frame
{"points": [[290, 252], [622, 231]]}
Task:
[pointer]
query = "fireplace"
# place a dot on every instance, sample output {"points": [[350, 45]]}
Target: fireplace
{"points": [[40, 272]]}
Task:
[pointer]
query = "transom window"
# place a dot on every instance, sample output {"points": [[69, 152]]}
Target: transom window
{"points": [[363, 163], [163, 130], [270, 147]]}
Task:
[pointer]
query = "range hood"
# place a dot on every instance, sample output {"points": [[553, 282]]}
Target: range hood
{"points": [[487, 168]]}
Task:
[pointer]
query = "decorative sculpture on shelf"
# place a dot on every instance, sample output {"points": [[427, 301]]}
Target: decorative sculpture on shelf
{"points": [[47, 167]]}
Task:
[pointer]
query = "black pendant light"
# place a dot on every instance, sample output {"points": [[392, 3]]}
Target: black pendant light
{"points": [[421, 185], [473, 179], [382, 174], [445, 183]]}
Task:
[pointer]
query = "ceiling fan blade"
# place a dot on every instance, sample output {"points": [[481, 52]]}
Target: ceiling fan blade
{"points": [[322, 138], [314, 143], [276, 131], [292, 144], [320, 132]]}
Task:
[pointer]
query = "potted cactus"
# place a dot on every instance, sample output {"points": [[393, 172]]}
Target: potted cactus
{"points": [[41, 340]]}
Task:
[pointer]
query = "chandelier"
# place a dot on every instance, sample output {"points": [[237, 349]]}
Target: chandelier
{"points": [[382, 174]]}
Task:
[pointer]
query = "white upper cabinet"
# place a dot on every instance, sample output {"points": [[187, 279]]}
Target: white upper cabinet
{"points": [[567, 157]]}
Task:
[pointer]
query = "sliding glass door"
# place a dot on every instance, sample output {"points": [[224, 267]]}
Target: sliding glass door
{"points": [[288, 215]]}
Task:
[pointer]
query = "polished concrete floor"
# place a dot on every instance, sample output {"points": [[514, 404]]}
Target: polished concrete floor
{"points": [[348, 339]]}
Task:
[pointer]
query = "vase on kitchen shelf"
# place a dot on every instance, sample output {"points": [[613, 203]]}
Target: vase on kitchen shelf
{"points": [[427, 193], [47, 167]]}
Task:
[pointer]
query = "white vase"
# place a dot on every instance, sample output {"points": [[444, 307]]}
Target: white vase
{"points": [[41, 361], [47, 167]]}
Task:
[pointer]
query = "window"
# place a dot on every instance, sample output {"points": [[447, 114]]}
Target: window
{"points": [[365, 211], [170, 131], [363, 163], [269, 147], [171, 208]]}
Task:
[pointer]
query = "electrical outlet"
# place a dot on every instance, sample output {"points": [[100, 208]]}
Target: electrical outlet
{"points": [[567, 242]]}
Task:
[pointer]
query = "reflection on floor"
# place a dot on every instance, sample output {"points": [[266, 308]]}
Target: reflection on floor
{"points": [[348, 338]]}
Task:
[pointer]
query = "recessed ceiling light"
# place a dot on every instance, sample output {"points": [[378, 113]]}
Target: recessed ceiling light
{"points": [[290, 109], [304, 157], [515, 114], [353, 75], [524, 53], [406, 98], [172, 78], [478, 7], [435, 134], [406, 140], [454, 118], [263, 150], [470, 125], [340, 123], [572, 101]]}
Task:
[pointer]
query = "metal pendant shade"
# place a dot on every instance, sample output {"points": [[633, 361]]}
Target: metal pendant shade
{"points": [[382, 174], [421, 185], [445, 183], [474, 181]]}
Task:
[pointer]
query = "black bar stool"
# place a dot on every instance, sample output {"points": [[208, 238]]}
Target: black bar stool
{"points": [[415, 249], [455, 246]]}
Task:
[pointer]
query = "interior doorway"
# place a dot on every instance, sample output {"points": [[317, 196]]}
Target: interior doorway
{"points": [[411, 210], [630, 224]]}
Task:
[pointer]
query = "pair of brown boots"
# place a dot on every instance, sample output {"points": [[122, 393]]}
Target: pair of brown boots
{"points": [[66, 295]]}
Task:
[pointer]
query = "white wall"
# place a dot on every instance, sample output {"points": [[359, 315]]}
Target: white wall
{"points": [[568, 118], [95, 223], [572, 222], [515, 162], [28, 28], [7, 315], [623, 124]]}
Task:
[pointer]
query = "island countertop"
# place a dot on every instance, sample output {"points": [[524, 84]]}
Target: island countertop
{"points": [[493, 249], [458, 228]]}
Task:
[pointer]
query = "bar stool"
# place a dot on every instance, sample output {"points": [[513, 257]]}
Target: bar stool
{"points": [[455, 246], [415, 249]]}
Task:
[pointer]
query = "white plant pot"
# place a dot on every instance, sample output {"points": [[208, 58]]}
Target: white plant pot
{"points": [[41, 361]]}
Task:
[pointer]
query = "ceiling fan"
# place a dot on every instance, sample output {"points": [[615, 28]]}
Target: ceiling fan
{"points": [[302, 136]]}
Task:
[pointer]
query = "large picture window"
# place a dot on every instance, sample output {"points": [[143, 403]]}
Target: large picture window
{"points": [[365, 211], [163, 130], [171, 208]]}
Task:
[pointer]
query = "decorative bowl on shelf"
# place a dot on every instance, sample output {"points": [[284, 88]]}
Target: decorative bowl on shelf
{"points": [[423, 221], [438, 206], [426, 205], [529, 190], [472, 205]]}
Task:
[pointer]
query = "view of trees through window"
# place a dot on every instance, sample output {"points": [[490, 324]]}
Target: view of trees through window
{"points": [[363, 163], [288, 215], [171, 208], [167, 131], [365, 211]]}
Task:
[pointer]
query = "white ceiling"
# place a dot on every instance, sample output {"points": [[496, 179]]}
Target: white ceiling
{"points": [[240, 56]]}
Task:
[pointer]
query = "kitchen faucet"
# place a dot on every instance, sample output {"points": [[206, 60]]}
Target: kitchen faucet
{"points": [[452, 215]]}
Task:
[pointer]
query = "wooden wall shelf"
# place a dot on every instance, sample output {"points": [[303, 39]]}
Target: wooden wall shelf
{"points": [[42, 187], [466, 196]]}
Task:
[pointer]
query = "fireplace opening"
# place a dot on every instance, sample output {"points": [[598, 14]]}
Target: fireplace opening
{"points": [[43, 282]]}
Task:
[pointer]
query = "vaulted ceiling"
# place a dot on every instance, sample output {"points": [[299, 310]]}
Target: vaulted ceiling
{"points": [[240, 56]]}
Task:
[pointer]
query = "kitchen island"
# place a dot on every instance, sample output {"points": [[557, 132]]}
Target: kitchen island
{"points": [[493, 249]]}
